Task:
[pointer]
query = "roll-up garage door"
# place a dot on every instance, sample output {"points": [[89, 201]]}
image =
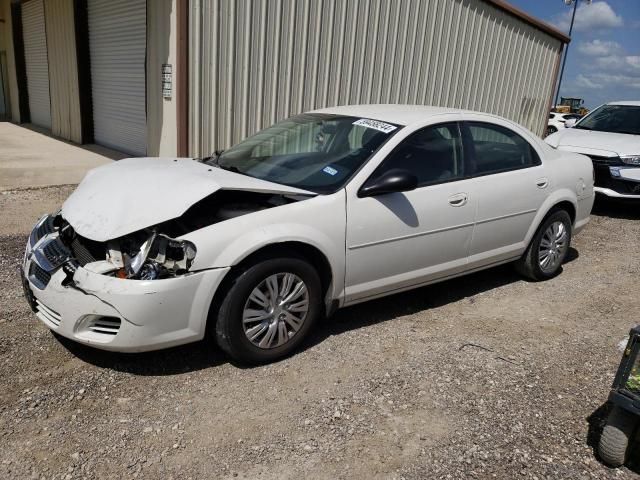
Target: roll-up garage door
{"points": [[117, 48], [35, 53]]}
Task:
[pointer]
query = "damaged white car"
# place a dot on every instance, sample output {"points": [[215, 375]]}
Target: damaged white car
{"points": [[323, 210]]}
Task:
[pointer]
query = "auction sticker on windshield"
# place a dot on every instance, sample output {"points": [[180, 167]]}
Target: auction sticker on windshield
{"points": [[376, 125], [330, 170]]}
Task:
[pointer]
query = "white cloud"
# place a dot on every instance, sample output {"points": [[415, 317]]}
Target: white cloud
{"points": [[584, 82], [589, 17], [633, 61], [604, 80], [620, 63], [607, 68], [599, 48]]}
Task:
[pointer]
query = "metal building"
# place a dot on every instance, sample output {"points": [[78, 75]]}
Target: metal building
{"points": [[167, 77]]}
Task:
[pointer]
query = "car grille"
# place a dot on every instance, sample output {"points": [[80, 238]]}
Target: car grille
{"points": [[608, 161], [45, 228], [604, 179], [56, 252], [48, 315], [39, 276]]}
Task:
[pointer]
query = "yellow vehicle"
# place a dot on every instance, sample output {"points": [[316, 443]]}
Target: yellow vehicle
{"points": [[571, 105]]}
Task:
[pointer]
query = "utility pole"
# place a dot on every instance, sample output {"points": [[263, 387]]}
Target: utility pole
{"points": [[566, 51]]}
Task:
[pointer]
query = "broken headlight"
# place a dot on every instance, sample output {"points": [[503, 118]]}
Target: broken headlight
{"points": [[160, 257]]}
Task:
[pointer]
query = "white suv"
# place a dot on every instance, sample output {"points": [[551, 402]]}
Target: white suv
{"points": [[557, 121], [610, 135]]}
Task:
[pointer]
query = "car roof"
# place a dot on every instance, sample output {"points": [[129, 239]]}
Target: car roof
{"points": [[393, 113], [631, 103]]}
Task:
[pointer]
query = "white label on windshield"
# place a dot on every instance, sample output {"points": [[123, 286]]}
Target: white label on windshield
{"points": [[330, 170], [376, 125]]}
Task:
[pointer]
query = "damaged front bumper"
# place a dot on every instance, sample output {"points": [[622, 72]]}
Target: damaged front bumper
{"points": [[111, 313]]}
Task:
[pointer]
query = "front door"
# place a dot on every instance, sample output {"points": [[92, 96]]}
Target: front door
{"points": [[399, 240]]}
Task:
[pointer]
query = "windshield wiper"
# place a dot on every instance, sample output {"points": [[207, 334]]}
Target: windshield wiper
{"points": [[229, 168], [582, 128], [215, 157]]}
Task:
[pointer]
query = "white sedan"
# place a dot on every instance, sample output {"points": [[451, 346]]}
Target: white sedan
{"points": [[320, 211]]}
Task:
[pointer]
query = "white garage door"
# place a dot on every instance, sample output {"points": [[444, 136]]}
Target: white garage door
{"points": [[117, 48], [35, 53]]}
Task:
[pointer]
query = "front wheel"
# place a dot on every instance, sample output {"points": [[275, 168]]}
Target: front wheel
{"points": [[615, 437], [268, 310], [548, 248]]}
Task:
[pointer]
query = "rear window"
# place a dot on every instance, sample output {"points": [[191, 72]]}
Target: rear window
{"points": [[498, 149]]}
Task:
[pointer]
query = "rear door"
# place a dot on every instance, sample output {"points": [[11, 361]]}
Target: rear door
{"points": [[509, 183]]}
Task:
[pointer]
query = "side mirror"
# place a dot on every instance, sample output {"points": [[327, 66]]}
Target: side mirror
{"points": [[570, 123], [395, 180]]}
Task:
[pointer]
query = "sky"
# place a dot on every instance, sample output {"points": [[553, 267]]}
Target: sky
{"points": [[603, 63]]}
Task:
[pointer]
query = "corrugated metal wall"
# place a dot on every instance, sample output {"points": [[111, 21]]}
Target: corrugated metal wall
{"points": [[253, 63], [63, 70]]}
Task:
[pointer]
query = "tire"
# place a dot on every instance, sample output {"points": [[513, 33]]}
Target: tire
{"points": [[615, 437], [233, 317], [530, 265]]}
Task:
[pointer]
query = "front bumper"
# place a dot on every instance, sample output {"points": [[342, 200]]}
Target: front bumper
{"points": [[119, 314], [615, 179]]}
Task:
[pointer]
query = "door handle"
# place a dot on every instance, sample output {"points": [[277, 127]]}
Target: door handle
{"points": [[458, 200], [542, 182]]}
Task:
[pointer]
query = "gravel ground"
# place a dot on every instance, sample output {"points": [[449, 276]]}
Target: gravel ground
{"points": [[486, 376]]}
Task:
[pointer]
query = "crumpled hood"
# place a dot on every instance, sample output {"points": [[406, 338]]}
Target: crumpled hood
{"points": [[128, 195], [590, 142]]}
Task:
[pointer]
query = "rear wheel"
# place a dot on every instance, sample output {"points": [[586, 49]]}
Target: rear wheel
{"points": [[615, 437], [548, 248], [268, 310]]}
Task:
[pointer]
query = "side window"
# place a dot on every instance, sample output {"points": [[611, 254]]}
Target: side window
{"points": [[498, 149], [433, 154]]}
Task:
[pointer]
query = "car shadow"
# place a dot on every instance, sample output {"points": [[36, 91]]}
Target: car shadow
{"points": [[204, 354], [572, 254], [171, 361], [597, 421], [413, 301], [616, 208]]}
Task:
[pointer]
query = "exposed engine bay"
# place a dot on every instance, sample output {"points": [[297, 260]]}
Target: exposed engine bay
{"points": [[153, 252]]}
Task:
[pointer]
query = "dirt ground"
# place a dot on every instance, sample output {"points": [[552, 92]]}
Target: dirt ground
{"points": [[486, 376]]}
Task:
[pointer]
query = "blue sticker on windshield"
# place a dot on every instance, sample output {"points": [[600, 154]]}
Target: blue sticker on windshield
{"points": [[330, 170]]}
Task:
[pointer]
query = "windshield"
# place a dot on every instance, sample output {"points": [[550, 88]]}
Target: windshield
{"points": [[614, 119], [315, 152]]}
